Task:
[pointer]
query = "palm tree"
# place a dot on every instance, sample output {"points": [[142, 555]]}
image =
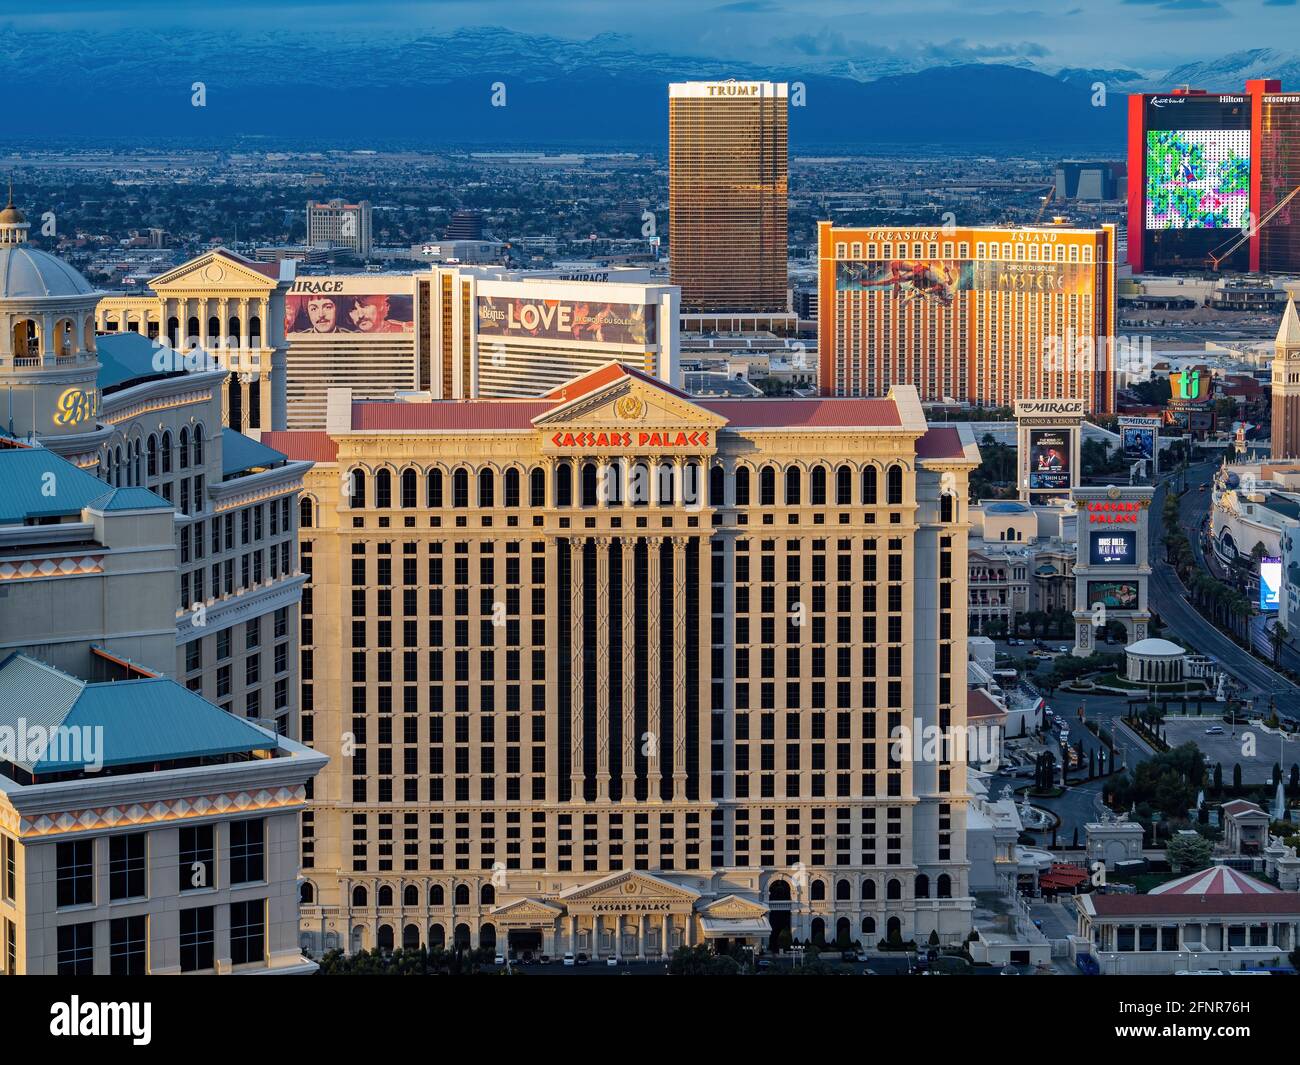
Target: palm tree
{"points": [[1279, 637]]}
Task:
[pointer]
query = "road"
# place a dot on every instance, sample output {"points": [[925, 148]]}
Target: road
{"points": [[1168, 599]]}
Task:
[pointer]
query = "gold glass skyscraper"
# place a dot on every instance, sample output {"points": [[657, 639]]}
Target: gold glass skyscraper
{"points": [[727, 188]]}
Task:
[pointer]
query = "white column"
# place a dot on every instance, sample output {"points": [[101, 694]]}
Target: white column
{"points": [[602, 668], [666, 943]]}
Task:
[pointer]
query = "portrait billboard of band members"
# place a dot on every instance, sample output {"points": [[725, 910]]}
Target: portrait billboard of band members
{"points": [[337, 312]]}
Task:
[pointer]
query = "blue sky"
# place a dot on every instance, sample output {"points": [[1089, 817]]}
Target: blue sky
{"points": [[1146, 34]]}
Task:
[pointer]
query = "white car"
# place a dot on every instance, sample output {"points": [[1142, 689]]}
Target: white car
{"points": [[611, 962], [1214, 730], [499, 960], [569, 961]]}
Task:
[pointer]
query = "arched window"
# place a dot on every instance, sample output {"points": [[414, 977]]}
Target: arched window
{"points": [[462, 938], [385, 896], [894, 889], [408, 489], [868, 926], [358, 897], [487, 937], [117, 467], [589, 478], [487, 895], [564, 485], [486, 488], [437, 896], [235, 403], [304, 513], [944, 886], [192, 329], [742, 486], [537, 488], [173, 331], [843, 487], [410, 895], [894, 486], [232, 329], [819, 891], [198, 445], [151, 455], [793, 486], [385, 941], [843, 891], [818, 931], [894, 930], [664, 485], [184, 452], [460, 488], [842, 931], [717, 487], [462, 895], [437, 937], [306, 894], [255, 329], [357, 497], [638, 492], [433, 488], [410, 937], [922, 886], [167, 452], [767, 487], [817, 486], [510, 488], [778, 891], [214, 329], [869, 486], [869, 890], [946, 508], [137, 480], [383, 489]]}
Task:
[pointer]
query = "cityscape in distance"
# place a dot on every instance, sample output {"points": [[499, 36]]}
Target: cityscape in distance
{"points": [[756, 490]]}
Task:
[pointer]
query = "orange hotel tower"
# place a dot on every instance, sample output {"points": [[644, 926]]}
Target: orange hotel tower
{"points": [[981, 316]]}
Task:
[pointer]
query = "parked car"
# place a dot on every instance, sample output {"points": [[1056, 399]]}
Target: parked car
{"points": [[1214, 730], [583, 959], [611, 962], [544, 959], [569, 960]]}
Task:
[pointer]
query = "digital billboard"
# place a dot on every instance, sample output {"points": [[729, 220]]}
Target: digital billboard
{"points": [[941, 279], [1139, 442], [1049, 460], [608, 323], [1118, 595], [1270, 583], [1113, 548], [357, 304], [1197, 179], [932, 279]]}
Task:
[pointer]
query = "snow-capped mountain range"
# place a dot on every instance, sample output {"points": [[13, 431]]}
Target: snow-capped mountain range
{"points": [[436, 87]]}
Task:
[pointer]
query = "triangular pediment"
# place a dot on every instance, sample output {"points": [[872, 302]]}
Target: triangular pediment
{"points": [[215, 270], [634, 407], [733, 906], [527, 907], [629, 886]]}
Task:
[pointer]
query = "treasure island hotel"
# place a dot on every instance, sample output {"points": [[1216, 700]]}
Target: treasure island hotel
{"points": [[612, 669], [978, 316]]}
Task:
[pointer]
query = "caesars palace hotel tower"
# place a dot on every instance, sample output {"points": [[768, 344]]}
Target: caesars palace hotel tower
{"points": [[614, 670]]}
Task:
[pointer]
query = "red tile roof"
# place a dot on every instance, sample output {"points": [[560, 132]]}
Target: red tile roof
{"points": [[941, 443], [602, 376], [979, 704], [309, 445], [1278, 904], [455, 415], [830, 413]]}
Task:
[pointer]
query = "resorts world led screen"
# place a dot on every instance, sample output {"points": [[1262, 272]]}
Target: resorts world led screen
{"points": [[1197, 160]]}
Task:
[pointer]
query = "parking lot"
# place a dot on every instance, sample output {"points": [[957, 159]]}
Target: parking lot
{"points": [[1227, 749]]}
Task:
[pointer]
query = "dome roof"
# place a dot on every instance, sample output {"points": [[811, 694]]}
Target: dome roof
{"points": [[29, 273], [1006, 507], [1153, 646]]}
